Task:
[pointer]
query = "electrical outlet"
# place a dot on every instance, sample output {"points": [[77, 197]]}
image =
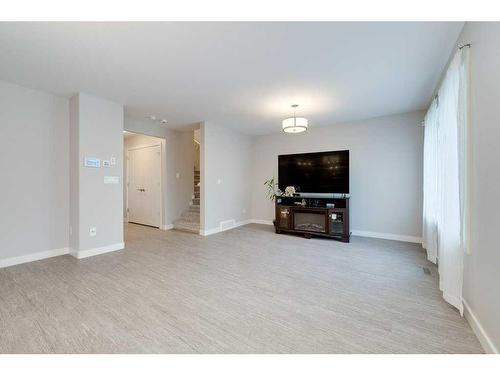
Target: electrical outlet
{"points": [[92, 231]]}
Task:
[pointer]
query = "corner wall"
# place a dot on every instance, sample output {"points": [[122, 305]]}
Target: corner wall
{"points": [[34, 169], [226, 175], [96, 131], [385, 171]]}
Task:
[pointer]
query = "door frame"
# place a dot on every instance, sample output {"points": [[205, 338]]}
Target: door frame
{"points": [[159, 144]]}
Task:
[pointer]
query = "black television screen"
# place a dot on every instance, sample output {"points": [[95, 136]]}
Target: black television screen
{"points": [[316, 172]]}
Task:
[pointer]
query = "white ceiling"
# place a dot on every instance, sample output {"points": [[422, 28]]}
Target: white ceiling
{"points": [[243, 75]]}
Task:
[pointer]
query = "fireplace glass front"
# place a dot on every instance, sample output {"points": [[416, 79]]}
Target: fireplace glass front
{"points": [[309, 222]]}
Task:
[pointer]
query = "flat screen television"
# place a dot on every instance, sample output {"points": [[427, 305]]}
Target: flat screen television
{"points": [[315, 172]]}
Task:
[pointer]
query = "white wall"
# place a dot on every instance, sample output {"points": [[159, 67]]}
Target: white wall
{"points": [[226, 157], [482, 272], [385, 170], [34, 170], [74, 172], [179, 160], [96, 131]]}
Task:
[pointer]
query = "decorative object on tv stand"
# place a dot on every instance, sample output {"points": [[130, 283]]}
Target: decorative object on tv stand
{"points": [[300, 203], [294, 125], [272, 189], [289, 191]]}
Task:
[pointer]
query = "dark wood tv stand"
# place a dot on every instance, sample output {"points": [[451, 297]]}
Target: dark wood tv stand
{"points": [[313, 217]]}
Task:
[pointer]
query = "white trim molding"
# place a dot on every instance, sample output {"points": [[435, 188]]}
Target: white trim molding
{"points": [[167, 226], [7, 262], [361, 233], [208, 232], [456, 302], [387, 236], [80, 254], [486, 342], [221, 228], [260, 221]]}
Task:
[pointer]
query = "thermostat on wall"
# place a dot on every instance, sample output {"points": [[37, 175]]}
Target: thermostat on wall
{"points": [[92, 162]]}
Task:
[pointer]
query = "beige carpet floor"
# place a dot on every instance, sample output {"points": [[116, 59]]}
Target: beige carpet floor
{"points": [[247, 290]]}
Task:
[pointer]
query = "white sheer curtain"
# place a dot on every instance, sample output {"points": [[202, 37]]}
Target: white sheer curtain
{"points": [[445, 214], [463, 150], [430, 212]]}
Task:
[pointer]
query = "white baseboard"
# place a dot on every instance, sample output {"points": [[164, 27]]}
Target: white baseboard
{"points": [[80, 254], [208, 232], [478, 329], [260, 221], [167, 226], [362, 233], [432, 259], [243, 222], [456, 302], [387, 236], [7, 262]]}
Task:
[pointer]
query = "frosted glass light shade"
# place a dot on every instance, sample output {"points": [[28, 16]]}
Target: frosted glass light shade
{"points": [[295, 125]]}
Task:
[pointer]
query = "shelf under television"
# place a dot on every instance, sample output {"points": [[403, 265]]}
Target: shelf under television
{"points": [[287, 209]]}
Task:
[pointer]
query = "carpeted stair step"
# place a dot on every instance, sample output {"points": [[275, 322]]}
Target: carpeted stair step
{"points": [[191, 216]]}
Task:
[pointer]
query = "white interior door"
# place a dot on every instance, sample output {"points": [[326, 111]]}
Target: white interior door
{"points": [[144, 176]]}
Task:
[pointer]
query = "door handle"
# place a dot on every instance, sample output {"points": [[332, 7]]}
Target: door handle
{"points": [[143, 190]]}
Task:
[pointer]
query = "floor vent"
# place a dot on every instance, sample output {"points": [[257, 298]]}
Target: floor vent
{"points": [[426, 270]]}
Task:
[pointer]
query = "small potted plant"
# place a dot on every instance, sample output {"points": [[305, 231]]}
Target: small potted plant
{"points": [[273, 191]]}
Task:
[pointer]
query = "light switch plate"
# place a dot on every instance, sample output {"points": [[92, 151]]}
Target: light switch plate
{"points": [[112, 160], [111, 179]]}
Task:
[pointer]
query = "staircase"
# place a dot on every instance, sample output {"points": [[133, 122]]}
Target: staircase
{"points": [[190, 220]]}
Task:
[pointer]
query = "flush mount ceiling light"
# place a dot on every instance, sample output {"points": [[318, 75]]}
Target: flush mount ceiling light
{"points": [[294, 125]]}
